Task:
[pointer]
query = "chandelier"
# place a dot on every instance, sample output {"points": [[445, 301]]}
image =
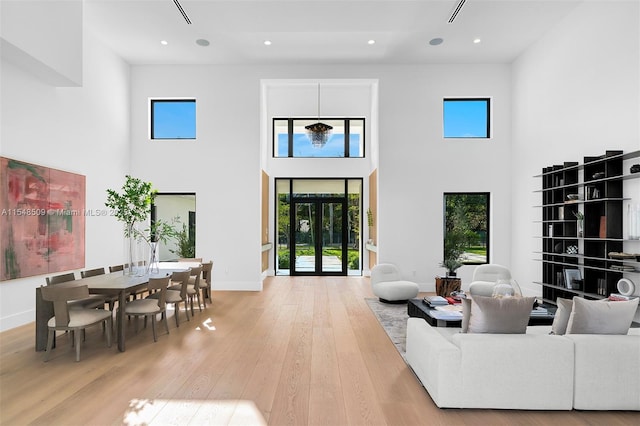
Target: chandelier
{"points": [[318, 133]]}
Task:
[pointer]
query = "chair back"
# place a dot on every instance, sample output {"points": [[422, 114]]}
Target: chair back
{"points": [[196, 272], [116, 268], [183, 279], [60, 295], [383, 272], [159, 285], [491, 272], [92, 272], [207, 268], [61, 278]]}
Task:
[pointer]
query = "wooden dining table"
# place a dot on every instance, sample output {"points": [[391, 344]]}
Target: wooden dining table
{"points": [[116, 283]]}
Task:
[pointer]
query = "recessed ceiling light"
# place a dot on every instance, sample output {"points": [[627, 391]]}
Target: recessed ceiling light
{"points": [[436, 41], [202, 42], [476, 40], [267, 42], [164, 42], [371, 42]]}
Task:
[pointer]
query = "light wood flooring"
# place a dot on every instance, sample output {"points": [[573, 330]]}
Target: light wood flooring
{"points": [[305, 351]]}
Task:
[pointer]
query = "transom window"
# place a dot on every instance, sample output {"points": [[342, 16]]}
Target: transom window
{"points": [[290, 138], [467, 118], [173, 119]]}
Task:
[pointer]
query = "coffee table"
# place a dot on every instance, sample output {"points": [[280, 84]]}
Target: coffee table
{"points": [[416, 308]]}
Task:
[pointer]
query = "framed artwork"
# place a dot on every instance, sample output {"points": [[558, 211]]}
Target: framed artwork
{"points": [[570, 275], [42, 220]]}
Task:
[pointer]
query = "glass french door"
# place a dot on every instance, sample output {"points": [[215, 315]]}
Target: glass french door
{"points": [[318, 233]]}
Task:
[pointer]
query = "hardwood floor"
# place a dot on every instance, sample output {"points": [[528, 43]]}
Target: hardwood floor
{"points": [[305, 351]]}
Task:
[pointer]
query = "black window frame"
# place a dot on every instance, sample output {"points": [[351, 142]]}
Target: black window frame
{"points": [[347, 128], [467, 99], [152, 116], [488, 222]]}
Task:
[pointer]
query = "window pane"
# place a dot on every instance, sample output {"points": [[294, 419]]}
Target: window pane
{"points": [[318, 188], [280, 138], [302, 146], [466, 118], [466, 228], [356, 138], [173, 119]]}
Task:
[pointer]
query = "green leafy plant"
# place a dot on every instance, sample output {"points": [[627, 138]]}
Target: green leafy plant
{"points": [[186, 244], [455, 242], [132, 206]]}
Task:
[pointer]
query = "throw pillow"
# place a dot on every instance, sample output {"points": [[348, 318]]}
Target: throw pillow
{"points": [[504, 315], [601, 317], [561, 318]]}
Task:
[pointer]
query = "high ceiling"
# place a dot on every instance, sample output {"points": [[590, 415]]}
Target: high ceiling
{"points": [[321, 31]]}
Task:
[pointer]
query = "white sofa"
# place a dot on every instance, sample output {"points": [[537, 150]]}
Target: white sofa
{"points": [[534, 371]]}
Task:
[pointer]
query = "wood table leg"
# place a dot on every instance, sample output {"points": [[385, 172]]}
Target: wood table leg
{"points": [[121, 302]]}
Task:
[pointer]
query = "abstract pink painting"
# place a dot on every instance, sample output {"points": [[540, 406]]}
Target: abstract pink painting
{"points": [[42, 220]]}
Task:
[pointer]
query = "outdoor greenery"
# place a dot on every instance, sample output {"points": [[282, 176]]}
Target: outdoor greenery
{"points": [[465, 230], [353, 256], [186, 245]]}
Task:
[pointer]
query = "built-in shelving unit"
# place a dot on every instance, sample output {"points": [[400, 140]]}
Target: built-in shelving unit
{"points": [[594, 190]]}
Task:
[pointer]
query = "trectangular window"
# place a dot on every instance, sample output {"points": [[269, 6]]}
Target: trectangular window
{"points": [[290, 138], [466, 227], [173, 119], [467, 118]]}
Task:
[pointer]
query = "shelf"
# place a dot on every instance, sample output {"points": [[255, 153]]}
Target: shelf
{"points": [[581, 265], [559, 229], [602, 159], [581, 256], [593, 200], [577, 292]]}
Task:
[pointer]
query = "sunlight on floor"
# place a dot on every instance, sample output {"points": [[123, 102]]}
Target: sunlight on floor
{"points": [[208, 324], [180, 411]]}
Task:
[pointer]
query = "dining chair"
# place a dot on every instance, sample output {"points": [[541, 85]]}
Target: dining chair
{"points": [[193, 288], [116, 268], [91, 301], [205, 282], [92, 272], [76, 319], [178, 294], [150, 307], [111, 300]]}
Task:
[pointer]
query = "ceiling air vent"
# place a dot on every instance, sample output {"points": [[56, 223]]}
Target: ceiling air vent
{"points": [[184, 14], [456, 10]]}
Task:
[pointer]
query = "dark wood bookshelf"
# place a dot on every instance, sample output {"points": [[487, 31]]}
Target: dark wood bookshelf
{"points": [[597, 183]]}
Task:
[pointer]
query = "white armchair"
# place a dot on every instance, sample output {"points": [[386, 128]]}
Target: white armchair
{"points": [[485, 278], [387, 284]]}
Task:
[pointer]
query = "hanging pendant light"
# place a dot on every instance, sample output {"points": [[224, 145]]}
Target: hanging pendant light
{"points": [[318, 133]]}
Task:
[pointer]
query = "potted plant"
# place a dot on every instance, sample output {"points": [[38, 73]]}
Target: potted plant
{"points": [[454, 244], [132, 206]]}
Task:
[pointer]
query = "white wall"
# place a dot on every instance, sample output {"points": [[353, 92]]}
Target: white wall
{"points": [[576, 93], [82, 130], [415, 164]]}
